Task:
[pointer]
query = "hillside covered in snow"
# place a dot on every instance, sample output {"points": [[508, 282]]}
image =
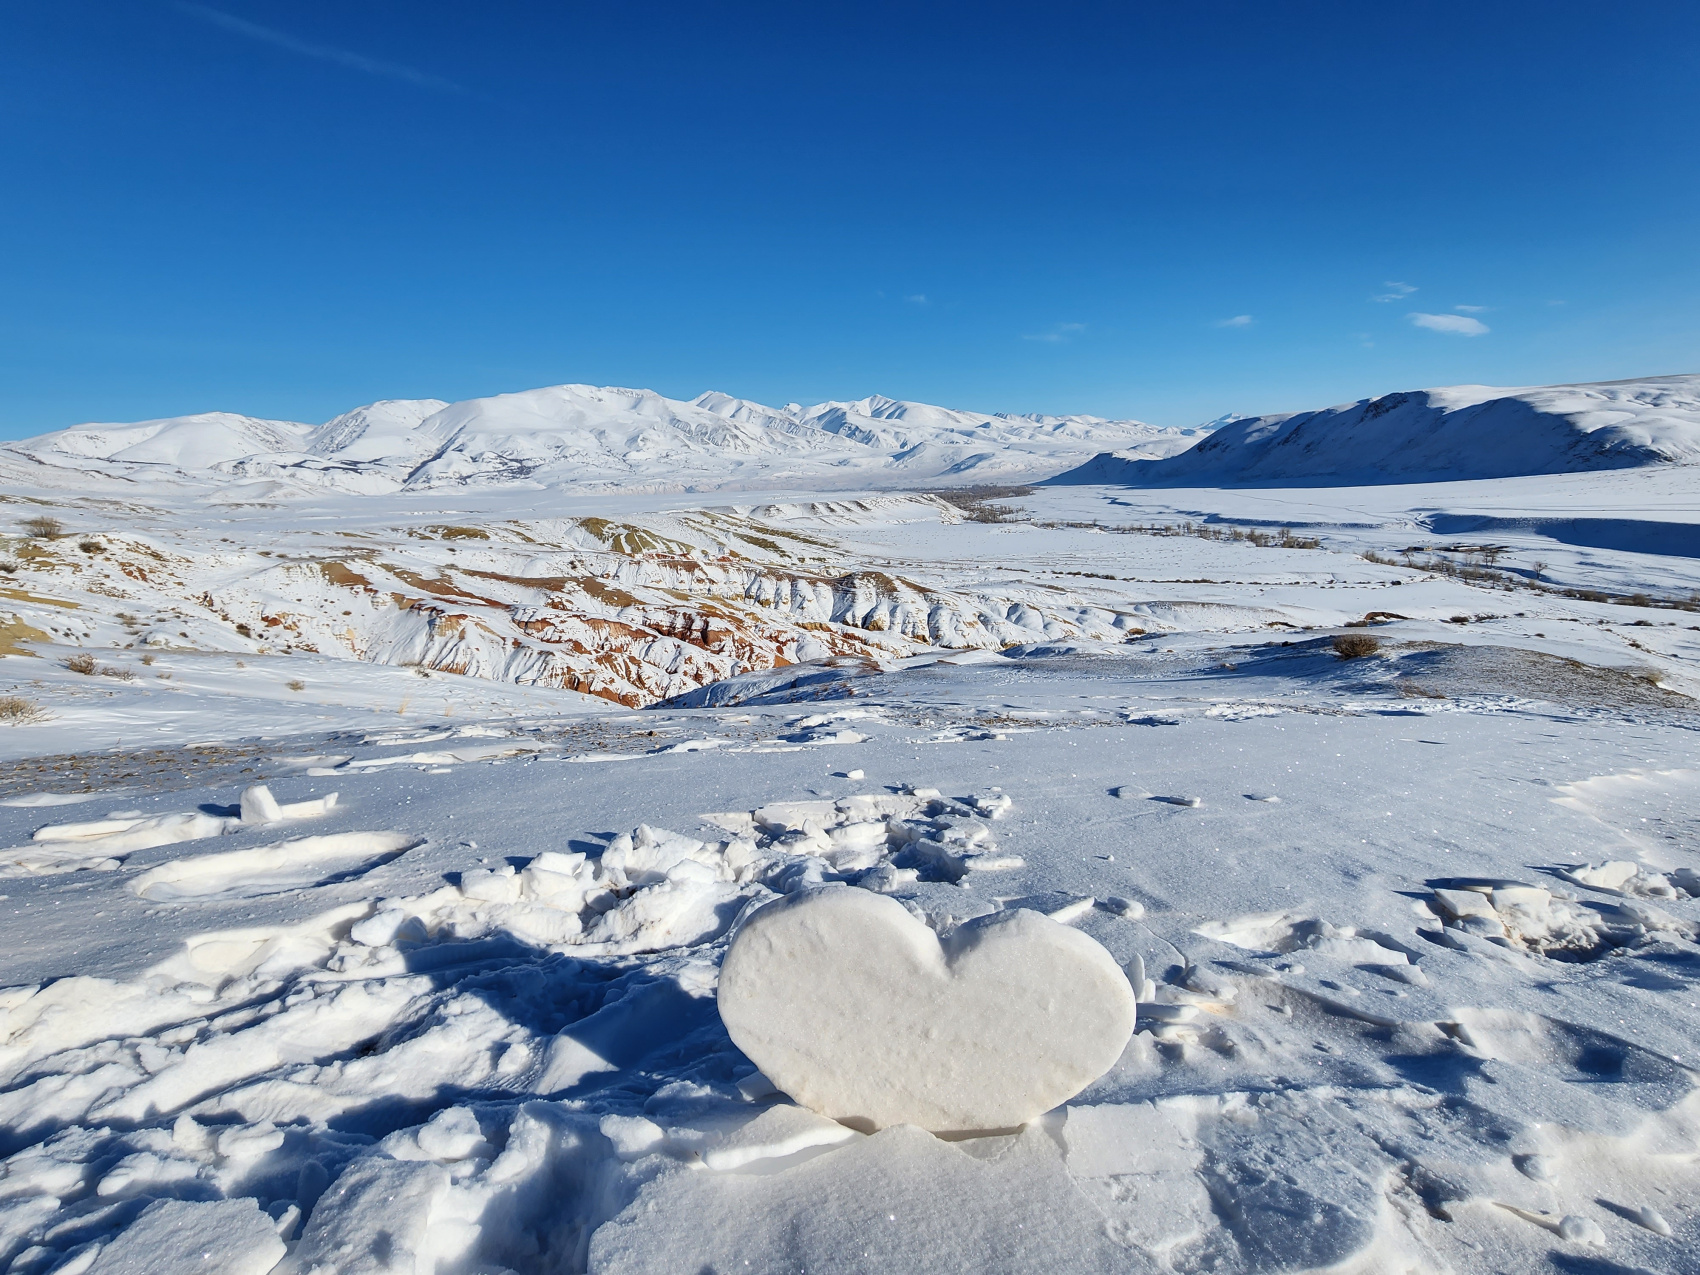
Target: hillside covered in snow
{"points": [[586, 437], [1459, 432]]}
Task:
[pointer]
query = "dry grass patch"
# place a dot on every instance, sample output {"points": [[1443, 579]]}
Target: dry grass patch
{"points": [[977, 503], [1355, 646], [1416, 690], [17, 710]]}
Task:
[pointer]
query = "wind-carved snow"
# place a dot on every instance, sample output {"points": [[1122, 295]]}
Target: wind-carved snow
{"points": [[101, 845], [860, 1012], [442, 1079], [272, 869]]}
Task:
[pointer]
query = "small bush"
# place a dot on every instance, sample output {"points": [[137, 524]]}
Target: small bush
{"points": [[9, 567], [42, 527], [14, 709], [297, 685], [82, 663], [122, 674], [91, 546], [149, 658], [164, 677], [1354, 646]]}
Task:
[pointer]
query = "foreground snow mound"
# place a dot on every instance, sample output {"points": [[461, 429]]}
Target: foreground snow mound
{"points": [[860, 1012], [1460, 432]]}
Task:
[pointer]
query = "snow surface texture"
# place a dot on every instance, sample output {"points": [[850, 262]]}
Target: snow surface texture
{"points": [[506, 1055], [860, 1012], [1463, 431], [583, 437]]}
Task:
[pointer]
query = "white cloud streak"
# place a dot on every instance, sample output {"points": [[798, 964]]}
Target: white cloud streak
{"points": [[1452, 324], [1470, 309], [1238, 321], [1057, 335], [1396, 291], [320, 52]]}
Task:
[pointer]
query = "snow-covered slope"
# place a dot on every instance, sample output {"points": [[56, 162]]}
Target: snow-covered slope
{"points": [[588, 437], [185, 443], [1464, 431]]}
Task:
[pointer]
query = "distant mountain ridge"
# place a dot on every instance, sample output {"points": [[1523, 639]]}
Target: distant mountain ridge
{"points": [[582, 435], [1458, 432]]}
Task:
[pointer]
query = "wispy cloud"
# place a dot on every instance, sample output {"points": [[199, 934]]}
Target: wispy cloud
{"points": [[321, 52], [1238, 321], [1453, 324], [1062, 332], [1396, 291], [918, 298], [1470, 309]]}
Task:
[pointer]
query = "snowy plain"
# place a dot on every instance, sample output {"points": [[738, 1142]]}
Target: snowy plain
{"points": [[1414, 933]]}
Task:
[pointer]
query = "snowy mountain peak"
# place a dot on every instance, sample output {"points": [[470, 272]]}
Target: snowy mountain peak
{"points": [[178, 442], [388, 429], [593, 437]]}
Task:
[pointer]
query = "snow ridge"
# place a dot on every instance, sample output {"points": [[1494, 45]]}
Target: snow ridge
{"points": [[1458, 432]]}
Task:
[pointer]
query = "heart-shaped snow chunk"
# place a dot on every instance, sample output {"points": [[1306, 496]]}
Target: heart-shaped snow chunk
{"points": [[858, 1011]]}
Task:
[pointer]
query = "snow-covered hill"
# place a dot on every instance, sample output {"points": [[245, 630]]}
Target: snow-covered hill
{"points": [[1460, 432], [587, 437]]}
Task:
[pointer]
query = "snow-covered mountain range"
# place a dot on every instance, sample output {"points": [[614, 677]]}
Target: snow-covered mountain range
{"points": [[1459, 432], [588, 437]]}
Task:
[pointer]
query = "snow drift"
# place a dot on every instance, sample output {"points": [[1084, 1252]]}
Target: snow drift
{"points": [[1460, 432]]}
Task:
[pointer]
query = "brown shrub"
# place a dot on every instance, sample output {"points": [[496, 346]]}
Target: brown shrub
{"points": [[14, 709], [42, 527], [297, 685], [82, 662], [1354, 646]]}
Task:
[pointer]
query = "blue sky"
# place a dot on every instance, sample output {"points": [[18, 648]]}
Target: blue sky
{"points": [[1166, 211]]}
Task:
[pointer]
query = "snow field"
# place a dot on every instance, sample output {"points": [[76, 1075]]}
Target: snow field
{"points": [[446, 1064], [1413, 935]]}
